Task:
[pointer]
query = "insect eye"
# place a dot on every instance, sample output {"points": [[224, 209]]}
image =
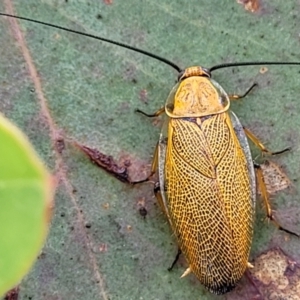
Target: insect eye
{"points": [[170, 107], [223, 98]]}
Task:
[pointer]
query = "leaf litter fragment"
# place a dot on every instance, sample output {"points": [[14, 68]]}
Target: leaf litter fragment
{"points": [[275, 179], [105, 162], [276, 275], [250, 5]]}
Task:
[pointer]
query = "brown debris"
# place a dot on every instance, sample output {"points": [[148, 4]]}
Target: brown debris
{"points": [[143, 95], [103, 248], [13, 294], [263, 70], [276, 275], [250, 5], [105, 162], [141, 204], [274, 177]]}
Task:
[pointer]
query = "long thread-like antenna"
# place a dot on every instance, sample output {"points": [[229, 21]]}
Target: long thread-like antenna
{"points": [[157, 57], [164, 60], [253, 63]]}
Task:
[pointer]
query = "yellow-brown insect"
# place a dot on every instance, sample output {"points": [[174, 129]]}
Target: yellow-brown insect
{"points": [[209, 181], [206, 174]]}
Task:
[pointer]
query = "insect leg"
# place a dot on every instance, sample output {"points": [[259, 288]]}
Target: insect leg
{"points": [[260, 145], [158, 196], [236, 97], [265, 196], [175, 260], [155, 114]]}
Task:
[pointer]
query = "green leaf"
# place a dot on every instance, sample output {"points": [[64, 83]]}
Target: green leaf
{"points": [[99, 246], [26, 192]]}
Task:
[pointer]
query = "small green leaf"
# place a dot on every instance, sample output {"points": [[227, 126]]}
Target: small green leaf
{"points": [[26, 191]]}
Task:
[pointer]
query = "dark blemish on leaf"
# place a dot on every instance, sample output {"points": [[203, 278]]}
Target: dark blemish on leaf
{"points": [[127, 163], [143, 212], [103, 248], [142, 207], [88, 225], [13, 294], [59, 145], [143, 95], [42, 255], [277, 274], [99, 17], [108, 2], [105, 162], [252, 6]]}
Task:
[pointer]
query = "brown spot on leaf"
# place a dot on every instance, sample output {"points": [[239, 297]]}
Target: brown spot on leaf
{"points": [[141, 205], [263, 70], [276, 275], [137, 168], [103, 248], [59, 141], [13, 294], [274, 177], [105, 162], [250, 5], [105, 205], [143, 95]]}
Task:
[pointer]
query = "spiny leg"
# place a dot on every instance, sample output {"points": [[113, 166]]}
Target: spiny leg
{"points": [[158, 195], [236, 97], [155, 114], [265, 196], [175, 260], [155, 157], [250, 135], [260, 145], [159, 198]]}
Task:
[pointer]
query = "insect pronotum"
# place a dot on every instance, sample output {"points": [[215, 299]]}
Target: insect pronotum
{"points": [[207, 182]]}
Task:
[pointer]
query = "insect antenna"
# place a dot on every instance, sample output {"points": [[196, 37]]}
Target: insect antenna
{"points": [[157, 57], [249, 63], [149, 54]]}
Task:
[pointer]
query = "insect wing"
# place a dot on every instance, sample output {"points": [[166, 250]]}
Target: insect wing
{"points": [[238, 129], [162, 148], [209, 196]]}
